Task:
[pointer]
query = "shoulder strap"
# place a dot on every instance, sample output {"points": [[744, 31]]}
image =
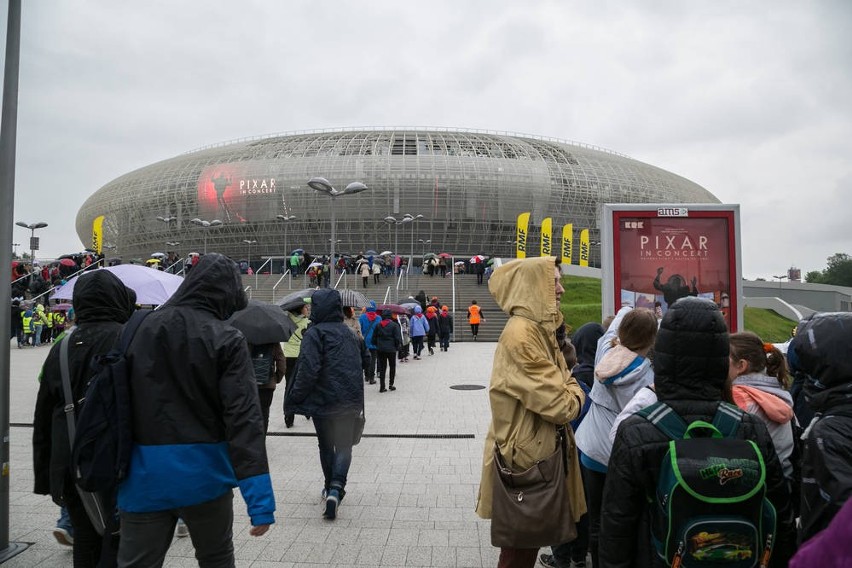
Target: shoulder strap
{"points": [[665, 419], [66, 386], [727, 419]]}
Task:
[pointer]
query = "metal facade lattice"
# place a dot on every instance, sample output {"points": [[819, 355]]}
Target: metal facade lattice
{"points": [[468, 185]]}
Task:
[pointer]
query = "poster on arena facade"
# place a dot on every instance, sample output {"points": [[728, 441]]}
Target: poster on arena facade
{"points": [[240, 192], [655, 254]]}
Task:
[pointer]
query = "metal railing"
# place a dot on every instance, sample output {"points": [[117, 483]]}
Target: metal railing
{"points": [[69, 277], [257, 272], [289, 286], [387, 295], [247, 290], [341, 277]]}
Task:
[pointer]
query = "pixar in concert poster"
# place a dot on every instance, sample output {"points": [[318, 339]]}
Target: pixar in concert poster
{"points": [[655, 254]]}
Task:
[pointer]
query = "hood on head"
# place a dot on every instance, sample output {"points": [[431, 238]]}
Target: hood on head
{"points": [[418, 310], [326, 306], [372, 306], [386, 314], [212, 285], [691, 351], [585, 341], [525, 288], [821, 348], [100, 296]]}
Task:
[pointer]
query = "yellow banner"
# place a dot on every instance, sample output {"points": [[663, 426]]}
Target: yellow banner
{"points": [[98, 234], [546, 236], [584, 247], [567, 243], [521, 234]]}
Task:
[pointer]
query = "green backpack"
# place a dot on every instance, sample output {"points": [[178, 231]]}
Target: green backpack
{"points": [[710, 508]]}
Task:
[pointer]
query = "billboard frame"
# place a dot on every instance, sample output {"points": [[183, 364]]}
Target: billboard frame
{"points": [[611, 249]]}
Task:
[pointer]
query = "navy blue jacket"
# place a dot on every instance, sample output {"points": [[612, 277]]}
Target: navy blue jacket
{"points": [[328, 380]]}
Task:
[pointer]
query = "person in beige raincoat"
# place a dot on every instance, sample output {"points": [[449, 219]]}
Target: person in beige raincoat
{"points": [[532, 391]]}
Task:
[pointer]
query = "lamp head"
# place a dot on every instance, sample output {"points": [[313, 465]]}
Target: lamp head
{"points": [[22, 224], [355, 187], [215, 223], [321, 184], [390, 220], [40, 225]]}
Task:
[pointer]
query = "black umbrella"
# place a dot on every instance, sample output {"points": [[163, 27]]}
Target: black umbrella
{"points": [[263, 323], [296, 299]]}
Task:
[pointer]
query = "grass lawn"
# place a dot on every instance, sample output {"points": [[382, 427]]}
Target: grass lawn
{"points": [[581, 303]]}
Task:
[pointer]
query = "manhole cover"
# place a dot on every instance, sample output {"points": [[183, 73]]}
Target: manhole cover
{"points": [[467, 387]]}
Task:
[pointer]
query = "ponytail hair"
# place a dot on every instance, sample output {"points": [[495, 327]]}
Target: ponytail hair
{"points": [[760, 356]]}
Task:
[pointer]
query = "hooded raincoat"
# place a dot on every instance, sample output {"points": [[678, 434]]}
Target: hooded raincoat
{"points": [[198, 427], [531, 390]]}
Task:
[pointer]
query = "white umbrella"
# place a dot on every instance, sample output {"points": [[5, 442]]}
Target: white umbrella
{"points": [[158, 254], [152, 287], [386, 253]]}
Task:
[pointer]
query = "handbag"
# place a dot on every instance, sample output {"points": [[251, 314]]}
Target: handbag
{"points": [[360, 421], [531, 509], [101, 515]]}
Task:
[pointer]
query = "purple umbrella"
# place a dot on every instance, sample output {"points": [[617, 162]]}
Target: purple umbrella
{"points": [[152, 287]]}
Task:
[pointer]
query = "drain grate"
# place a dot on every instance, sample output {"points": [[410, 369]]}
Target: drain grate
{"points": [[467, 387]]}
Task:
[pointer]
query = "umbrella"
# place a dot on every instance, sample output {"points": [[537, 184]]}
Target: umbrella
{"points": [[263, 323], [476, 259], [445, 255], [386, 253], [67, 262], [296, 299], [152, 287], [152, 261], [314, 264], [410, 305], [395, 308], [297, 251], [64, 307], [353, 298], [371, 251], [158, 255], [459, 262], [194, 254], [429, 255]]}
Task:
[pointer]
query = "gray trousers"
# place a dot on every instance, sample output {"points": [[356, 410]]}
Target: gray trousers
{"points": [[146, 537]]}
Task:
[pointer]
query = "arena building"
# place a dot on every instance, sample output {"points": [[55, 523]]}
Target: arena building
{"points": [[468, 186]]}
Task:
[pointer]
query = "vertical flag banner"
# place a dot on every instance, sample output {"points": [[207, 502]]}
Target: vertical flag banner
{"points": [[98, 234], [521, 234], [546, 236], [584, 247], [567, 243]]}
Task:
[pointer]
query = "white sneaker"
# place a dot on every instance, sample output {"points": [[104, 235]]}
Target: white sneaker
{"points": [[182, 530]]}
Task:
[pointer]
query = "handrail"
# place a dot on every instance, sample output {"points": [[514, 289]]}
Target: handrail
{"points": [[339, 278], [257, 274], [27, 275], [398, 282], [247, 289], [72, 275], [279, 282], [179, 262], [387, 293]]}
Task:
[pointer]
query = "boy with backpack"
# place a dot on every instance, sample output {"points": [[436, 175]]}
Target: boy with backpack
{"points": [[693, 480]]}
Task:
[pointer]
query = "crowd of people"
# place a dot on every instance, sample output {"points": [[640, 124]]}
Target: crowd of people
{"points": [[682, 443]]}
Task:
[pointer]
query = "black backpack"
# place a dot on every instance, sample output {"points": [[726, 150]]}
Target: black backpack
{"points": [[101, 455], [263, 362], [710, 507]]}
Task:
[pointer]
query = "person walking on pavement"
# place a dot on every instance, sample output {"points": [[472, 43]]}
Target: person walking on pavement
{"points": [[418, 328], [388, 342], [445, 327], [369, 322], [532, 394], [197, 425], [103, 304], [291, 349], [474, 317], [432, 331], [365, 271], [328, 387]]}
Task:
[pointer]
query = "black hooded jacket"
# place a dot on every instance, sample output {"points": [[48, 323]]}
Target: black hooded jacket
{"points": [[585, 342], [197, 425], [690, 367], [329, 379], [821, 350], [102, 304]]}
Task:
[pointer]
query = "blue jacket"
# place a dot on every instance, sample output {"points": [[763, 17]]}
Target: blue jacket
{"points": [[418, 325], [368, 327], [198, 428], [329, 379]]}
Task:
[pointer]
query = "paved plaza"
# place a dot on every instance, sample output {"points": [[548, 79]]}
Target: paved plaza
{"points": [[411, 491]]}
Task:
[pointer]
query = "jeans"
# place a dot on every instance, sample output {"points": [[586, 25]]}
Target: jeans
{"points": [[594, 483], [146, 537], [445, 341], [37, 335], [370, 371], [334, 437]]}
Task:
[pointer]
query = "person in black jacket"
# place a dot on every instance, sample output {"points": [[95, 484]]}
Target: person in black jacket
{"points": [[197, 424], [690, 367], [445, 327], [102, 305], [388, 342], [821, 350], [585, 342], [328, 386]]}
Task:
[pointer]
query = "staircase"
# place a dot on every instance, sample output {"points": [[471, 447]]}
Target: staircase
{"points": [[260, 287]]}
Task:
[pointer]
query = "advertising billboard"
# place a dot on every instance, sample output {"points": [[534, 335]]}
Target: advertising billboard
{"points": [[240, 192], [652, 255]]}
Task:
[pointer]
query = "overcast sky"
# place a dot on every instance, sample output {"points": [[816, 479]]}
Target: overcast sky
{"points": [[752, 100]]}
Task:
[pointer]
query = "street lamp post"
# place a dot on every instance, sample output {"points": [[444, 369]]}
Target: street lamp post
{"points": [[33, 240], [412, 218], [286, 219], [425, 243], [249, 242], [206, 226], [322, 185]]}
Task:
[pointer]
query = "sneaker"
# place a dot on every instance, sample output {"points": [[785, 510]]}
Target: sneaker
{"points": [[547, 560], [182, 530], [383, 390], [63, 536], [324, 494], [373, 382], [331, 503], [393, 388]]}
